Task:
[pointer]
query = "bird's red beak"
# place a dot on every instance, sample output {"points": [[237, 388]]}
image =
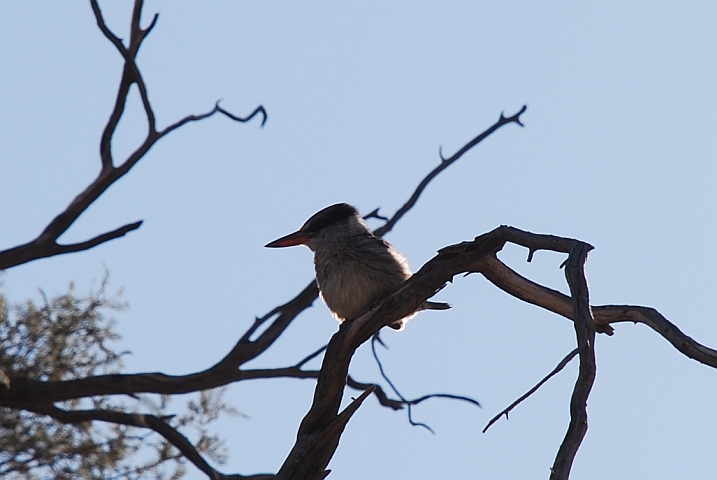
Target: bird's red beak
{"points": [[296, 238]]}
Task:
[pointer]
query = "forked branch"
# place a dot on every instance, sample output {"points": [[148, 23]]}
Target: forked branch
{"points": [[46, 244], [321, 428], [478, 256]]}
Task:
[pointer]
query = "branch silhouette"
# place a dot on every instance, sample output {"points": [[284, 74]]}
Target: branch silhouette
{"points": [[152, 422], [321, 428], [563, 363], [409, 403], [46, 244], [477, 256], [40, 396]]}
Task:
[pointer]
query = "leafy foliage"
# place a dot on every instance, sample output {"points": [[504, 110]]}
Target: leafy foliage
{"points": [[69, 337]]}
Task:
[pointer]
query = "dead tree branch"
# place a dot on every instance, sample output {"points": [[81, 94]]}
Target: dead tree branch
{"points": [[227, 370], [445, 163], [410, 403], [283, 315], [322, 425], [563, 363], [478, 256], [46, 244], [585, 331], [144, 421], [321, 429]]}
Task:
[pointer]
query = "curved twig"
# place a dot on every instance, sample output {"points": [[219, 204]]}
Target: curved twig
{"points": [[217, 109], [410, 403], [380, 394], [310, 357], [105, 237]]}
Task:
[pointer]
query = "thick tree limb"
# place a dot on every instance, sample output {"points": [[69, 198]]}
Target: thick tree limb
{"points": [[585, 332], [283, 315], [466, 257], [321, 428], [324, 444]]}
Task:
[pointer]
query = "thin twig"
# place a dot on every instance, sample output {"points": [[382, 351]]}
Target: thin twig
{"points": [[395, 390], [375, 214], [310, 357], [380, 394], [105, 237], [217, 109], [563, 363], [448, 396], [410, 403]]}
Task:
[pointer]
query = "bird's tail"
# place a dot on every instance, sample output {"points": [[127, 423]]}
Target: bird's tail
{"points": [[435, 306], [400, 324]]}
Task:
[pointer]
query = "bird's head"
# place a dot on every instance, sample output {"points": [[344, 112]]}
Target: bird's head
{"points": [[330, 224]]}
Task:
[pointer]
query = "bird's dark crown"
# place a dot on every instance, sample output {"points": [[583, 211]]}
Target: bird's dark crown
{"points": [[328, 216]]}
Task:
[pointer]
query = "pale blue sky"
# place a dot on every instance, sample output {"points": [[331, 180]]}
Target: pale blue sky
{"points": [[618, 150]]}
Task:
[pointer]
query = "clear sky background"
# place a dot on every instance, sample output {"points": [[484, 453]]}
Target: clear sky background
{"points": [[618, 150]]}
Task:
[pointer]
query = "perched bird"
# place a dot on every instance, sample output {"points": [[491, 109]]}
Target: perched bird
{"points": [[354, 267]]}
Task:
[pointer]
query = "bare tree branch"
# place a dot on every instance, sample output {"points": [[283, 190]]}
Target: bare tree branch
{"points": [[609, 314], [445, 163], [380, 394], [585, 332], [45, 245], [283, 315], [311, 356], [410, 403], [217, 109], [467, 257], [320, 430], [116, 41], [37, 250], [144, 421], [563, 363], [528, 291], [93, 242]]}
